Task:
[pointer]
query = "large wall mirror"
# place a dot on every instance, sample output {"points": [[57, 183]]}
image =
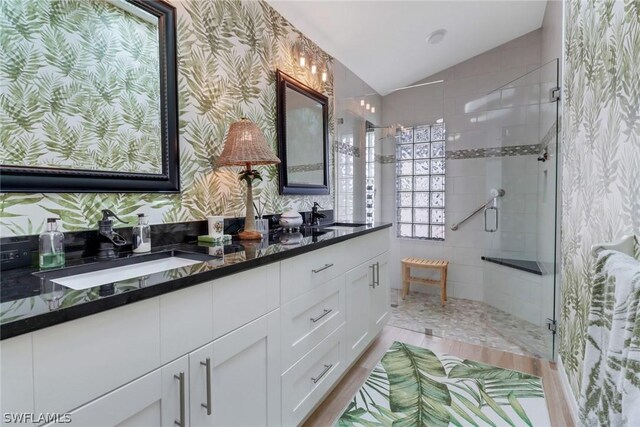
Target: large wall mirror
{"points": [[95, 108], [303, 137]]}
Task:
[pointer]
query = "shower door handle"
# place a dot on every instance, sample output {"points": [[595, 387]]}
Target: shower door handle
{"points": [[495, 219]]}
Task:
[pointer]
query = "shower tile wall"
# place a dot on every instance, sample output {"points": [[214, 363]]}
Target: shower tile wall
{"points": [[349, 90], [456, 100]]}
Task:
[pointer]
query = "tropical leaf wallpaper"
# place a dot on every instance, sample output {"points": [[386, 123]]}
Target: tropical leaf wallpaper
{"points": [[80, 88], [600, 153], [228, 52]]}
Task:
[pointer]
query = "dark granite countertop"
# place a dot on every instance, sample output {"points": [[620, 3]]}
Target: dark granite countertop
{"points": [[29, 300]]}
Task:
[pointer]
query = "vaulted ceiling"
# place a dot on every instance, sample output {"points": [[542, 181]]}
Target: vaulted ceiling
{"points": [[384, 42]]}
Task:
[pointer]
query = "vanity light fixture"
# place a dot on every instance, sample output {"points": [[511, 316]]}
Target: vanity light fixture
{"points": [[367, 106], [314, 69], [440, 120], [324, 75], [373, 109], [303, 59], [362, 102], [245, 145]]}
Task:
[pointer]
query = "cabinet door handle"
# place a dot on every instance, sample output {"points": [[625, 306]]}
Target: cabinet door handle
{"points": [[181, 422], [377, 274], [373, 276], [322, 374], [324, 313], [323, 268], [207, 365]]}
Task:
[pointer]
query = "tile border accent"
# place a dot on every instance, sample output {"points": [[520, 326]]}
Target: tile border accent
{"points": [[347, 149], [391, 158], [476, 153], [305, 168]]}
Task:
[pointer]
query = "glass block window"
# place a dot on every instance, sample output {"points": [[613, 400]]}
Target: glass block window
{"points": [[345, 183], [420, 182], [370, 179]]}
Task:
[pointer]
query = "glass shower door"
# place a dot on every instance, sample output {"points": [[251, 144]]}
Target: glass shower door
{"points": [[520, 234]]}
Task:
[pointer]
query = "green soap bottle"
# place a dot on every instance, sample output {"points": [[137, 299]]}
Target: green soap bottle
{"points": [[51, 246]]}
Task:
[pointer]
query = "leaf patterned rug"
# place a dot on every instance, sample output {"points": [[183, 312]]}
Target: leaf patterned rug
{"points": [[414, 387]]}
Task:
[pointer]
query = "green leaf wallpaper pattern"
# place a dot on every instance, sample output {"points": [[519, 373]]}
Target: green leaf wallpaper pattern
{"points": [[77, 91], [228, 52], [600, 153]]}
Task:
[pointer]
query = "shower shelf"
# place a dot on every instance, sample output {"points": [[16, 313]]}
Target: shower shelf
{"points": [[518, 264]]}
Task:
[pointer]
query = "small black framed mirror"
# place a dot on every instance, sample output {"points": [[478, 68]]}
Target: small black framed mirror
{"points": [[101, 115], [303, 137]]}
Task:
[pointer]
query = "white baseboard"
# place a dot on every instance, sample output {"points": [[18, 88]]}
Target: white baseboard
{"points": [[568, 392]]}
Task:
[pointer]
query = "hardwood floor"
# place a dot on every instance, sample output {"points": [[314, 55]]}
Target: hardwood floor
{"points": [[331, 408]]}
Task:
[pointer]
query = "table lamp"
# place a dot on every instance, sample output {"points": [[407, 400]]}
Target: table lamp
{"points": [[245, 145]]}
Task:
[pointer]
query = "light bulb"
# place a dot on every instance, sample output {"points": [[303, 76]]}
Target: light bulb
{"points": [[368, 106], [303, 60], [362, 102], [373, 109], [313, 68], [324, 75]]}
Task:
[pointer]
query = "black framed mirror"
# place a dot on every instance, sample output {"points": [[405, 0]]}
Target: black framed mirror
{"points": [[303, 137], [101, 113]]}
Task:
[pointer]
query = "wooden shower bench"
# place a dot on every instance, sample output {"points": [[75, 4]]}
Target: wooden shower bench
{"points": [[434, 264]]}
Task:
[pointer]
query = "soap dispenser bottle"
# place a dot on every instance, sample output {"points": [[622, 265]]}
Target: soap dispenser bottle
{"points": [[141, 235], [51, 246]]}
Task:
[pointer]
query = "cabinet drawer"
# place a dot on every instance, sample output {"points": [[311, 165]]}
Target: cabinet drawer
{"points": [[303, 273], [306, 383], [241, 298], [368, 246], [310, 318], [80, 360]]}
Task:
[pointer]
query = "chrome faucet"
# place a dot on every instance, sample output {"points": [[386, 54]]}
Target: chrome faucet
{"points": [[107, 238], [315, 215]]}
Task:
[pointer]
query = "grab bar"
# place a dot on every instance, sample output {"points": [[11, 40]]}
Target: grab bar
{"points": [[496, 194]]}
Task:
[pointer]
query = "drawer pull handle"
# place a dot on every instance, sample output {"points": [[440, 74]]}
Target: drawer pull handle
{"points": [[377, 269], [323, 268], [314, 320], [373, 276], [322, 374], [207, 365], [181, 422]]}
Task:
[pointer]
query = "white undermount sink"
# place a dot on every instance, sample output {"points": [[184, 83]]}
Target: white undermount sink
{"points": [[78, 278]]}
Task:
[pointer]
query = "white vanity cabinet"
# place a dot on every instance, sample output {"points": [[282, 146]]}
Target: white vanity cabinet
{"points": [[379, 300], [359, 283], [367, 303], [333, 308], [234, 381], [262, 347]]}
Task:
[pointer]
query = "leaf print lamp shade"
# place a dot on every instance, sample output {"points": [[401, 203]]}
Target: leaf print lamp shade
{"points": [[245, 145]]}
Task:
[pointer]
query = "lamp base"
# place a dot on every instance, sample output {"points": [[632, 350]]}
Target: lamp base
{"points": [[250, 235]]}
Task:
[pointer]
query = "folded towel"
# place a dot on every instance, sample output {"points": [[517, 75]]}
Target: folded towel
{"points": [[610, 393], [211, 239]]}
